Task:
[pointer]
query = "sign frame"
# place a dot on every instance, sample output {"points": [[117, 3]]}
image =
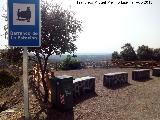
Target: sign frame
{"points": [[30, 28]]}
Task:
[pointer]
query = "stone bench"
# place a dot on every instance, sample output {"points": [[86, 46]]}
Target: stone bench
{"points": [[83, 85], [141, 74], [156, 72], [115, 79]]}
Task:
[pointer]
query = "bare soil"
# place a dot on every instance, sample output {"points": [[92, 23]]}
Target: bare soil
{"points": [[135, 101]]}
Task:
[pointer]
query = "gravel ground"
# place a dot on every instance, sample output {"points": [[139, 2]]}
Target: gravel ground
{"points": [[135, 101]]}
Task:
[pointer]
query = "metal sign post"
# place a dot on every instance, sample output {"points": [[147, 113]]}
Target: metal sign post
{"points": [[24, 30], [25, 83]]}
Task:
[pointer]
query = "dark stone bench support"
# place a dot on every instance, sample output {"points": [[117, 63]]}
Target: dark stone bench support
{"points": [[115, 79], [83, 85], [141, 74], [156, 72]]}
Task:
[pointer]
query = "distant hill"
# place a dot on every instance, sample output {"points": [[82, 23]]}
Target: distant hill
{"points": [[83, 57]]}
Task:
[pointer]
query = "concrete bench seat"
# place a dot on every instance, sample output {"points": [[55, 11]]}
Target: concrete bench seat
{"points": [[141, 74], [156, 72], [115, 79], [83, 85]]}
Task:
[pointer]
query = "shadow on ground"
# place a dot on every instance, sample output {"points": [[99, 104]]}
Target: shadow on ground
{"points": [[144, 80], [119, 86], [85, 97], [48, 112]]}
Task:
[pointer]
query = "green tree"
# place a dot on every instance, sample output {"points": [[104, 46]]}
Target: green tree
{"points": [[156, 54], [59, 30], [128, 52], [144, 53], [70, 63], [115, 55]]}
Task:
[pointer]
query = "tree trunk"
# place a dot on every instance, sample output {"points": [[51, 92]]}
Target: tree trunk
{"points": [[43, 71], [46, 95]]}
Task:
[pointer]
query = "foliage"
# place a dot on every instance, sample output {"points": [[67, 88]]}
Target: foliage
{"points": [[128, 52], [6, 79], [59, 30], [156, 54], [115, 55], [144, 53], [13, 55], [70, 63], [3, 62]]}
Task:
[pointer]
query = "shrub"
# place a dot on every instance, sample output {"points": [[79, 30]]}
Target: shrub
{"points": [[70, 63], [6, 79]]}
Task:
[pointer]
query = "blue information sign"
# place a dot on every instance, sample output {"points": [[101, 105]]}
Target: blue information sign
{"points": [[24, 23]]}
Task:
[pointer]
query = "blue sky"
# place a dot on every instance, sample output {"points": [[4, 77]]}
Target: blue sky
{"points": [[106, 28]]}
